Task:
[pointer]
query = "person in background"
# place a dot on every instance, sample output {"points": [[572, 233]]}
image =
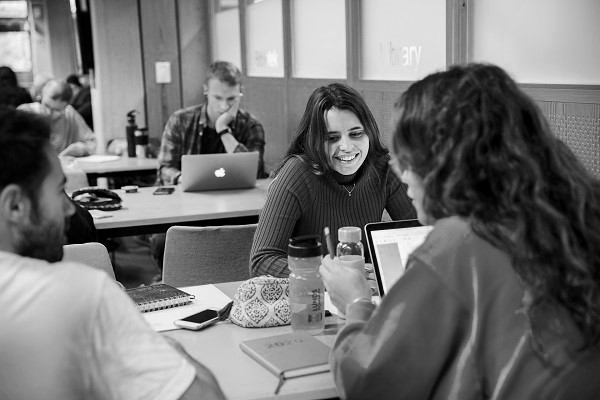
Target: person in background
{"points": [[217, 126], [70, 135], [81, 99], [11, 94], [39, 81], [68, 330], [335, 173], [502, 300]]}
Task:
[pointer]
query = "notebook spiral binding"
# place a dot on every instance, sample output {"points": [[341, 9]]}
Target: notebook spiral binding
{"points": [[158, 297], [161, 304]]}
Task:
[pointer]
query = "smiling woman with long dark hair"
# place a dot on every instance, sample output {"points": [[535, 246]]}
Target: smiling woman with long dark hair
{"points": [[335, 173], [502, 301]]}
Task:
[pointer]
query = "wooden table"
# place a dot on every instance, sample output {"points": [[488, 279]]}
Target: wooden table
{"points": [[144, 213], [124, 166], [240, 376]]}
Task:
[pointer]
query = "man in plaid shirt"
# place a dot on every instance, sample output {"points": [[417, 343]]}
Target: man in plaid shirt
{"points": [[218, 126]]}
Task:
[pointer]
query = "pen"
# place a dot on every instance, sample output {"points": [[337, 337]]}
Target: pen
{"points": [[328, 241]]}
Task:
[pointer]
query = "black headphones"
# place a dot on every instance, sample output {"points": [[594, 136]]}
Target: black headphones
{"points": [[96, 198]]}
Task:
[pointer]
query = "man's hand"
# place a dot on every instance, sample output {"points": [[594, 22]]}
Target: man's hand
{"points": [[224, 119], [76, 149]]}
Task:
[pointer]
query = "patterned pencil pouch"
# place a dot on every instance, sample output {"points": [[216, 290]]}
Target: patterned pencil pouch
{"points": [[262, 302]]}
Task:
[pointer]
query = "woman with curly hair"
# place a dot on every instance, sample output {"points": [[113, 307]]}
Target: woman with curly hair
{"points": [[502, 301]]}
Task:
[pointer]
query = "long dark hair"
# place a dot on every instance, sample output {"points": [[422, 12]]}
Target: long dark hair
{"points": [[485, 152], [308, 142]]}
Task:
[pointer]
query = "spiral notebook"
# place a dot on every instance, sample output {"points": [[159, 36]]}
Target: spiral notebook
{"points": [[158, 297]]}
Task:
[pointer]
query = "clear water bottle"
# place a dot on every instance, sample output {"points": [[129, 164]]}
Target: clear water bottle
{"points": [[306, 286], [349, 242], [350, 252]]}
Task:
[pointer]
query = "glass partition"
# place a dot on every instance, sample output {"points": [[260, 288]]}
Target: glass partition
{"points": [[264, 38], [226, 31], [549, 41], [318, 38], [402, 40], [15, 40]]}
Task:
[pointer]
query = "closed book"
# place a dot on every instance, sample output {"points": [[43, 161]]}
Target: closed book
{"points": [[289, 355], [158, 297]]}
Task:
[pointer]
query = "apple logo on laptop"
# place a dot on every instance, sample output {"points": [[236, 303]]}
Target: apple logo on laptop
{"points": [[220, 172]]}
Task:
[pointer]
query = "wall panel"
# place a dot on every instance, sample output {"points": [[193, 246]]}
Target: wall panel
{"points": [[381, 104], [159, 27], [62, 42], [194, 47], [578, 125], [266, 100], [119, 85]]}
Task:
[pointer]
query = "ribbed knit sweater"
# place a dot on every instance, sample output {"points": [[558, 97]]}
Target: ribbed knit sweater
{"points": [[299, 202]]}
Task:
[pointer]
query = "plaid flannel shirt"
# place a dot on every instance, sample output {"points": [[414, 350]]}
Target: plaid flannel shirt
{"points": [[183, 132]]}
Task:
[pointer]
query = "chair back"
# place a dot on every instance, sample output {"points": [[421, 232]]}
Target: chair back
{"points": [[93, 254], [204, 255]]}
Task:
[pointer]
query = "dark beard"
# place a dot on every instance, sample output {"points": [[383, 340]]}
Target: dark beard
{"points": [[41, 240]]}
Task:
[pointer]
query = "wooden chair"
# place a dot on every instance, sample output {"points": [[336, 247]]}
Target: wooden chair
{"points": [[204, 255], [93, 254]]}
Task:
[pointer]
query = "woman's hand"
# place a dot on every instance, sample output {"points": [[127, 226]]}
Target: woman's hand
{"points": [[344, 284]]}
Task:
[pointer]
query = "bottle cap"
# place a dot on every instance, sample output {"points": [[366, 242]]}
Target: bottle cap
{"points": [[349, 234], [304, 246], [131, 116]]}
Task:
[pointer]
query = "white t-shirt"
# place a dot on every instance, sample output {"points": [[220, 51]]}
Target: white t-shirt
{"points": [[67, 331]]}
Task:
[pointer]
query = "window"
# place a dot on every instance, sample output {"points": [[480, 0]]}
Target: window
{"points": [[264, 35], [560, 47], [15, 41], [226, 31], [318, 39], [402, 40]]}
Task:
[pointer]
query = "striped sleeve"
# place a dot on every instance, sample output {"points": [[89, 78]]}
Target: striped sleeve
{"points": [[81, 130], [278, 218]]}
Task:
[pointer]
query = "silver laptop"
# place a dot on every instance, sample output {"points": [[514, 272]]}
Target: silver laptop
{"points": [[390, 244], [218, 171]]}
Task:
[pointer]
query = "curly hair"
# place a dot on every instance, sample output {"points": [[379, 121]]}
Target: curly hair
{"points": [[309, 139], [485, 152]]}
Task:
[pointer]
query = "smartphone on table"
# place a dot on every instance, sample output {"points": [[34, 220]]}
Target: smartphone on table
{"points": [[163, 190], [199, 320]]}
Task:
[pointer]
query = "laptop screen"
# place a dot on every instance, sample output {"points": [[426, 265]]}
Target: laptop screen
{"points": [[390, 244]]}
